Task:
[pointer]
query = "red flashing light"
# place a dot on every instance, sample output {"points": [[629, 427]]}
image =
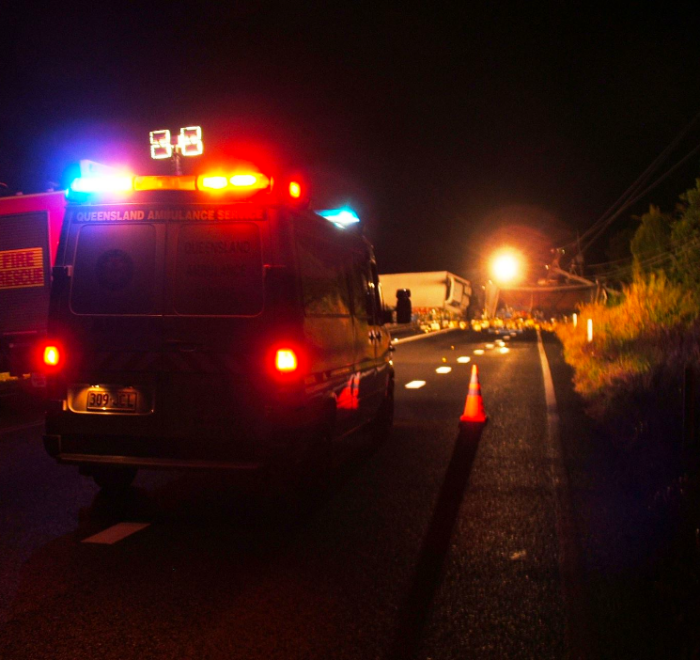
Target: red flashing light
{"points": [[294, 189], [286, 360], [51, 357]]}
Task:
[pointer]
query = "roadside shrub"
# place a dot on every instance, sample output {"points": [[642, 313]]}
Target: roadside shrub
{"points": [[651, 334]]}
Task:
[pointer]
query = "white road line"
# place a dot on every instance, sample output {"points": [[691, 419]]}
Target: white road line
{"points": [[415, 385], [578, 635], [116, 533]]}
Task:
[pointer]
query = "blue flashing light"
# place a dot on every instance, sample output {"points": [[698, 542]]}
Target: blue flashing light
{"points": [[101, 184], [341, 217]]}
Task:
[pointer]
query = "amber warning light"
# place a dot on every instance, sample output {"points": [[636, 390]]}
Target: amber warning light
{"points": [[237, 182]]}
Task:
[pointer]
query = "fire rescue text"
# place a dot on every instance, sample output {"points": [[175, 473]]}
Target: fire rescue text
{"points": [[21, 268]]}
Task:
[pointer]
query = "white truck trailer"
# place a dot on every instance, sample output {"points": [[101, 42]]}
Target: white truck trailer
{"points": [[438, 298]]}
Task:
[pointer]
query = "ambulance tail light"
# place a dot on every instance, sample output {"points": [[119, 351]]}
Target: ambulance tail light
{"points": [[286, 361], [52, 357]]}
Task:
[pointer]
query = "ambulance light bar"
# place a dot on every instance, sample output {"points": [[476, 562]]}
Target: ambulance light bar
{"points": [[103, 184], [164, 183], [241, 182], [340, 217]]}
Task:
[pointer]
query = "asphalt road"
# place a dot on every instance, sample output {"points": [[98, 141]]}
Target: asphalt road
{"points": [[432, 545]]}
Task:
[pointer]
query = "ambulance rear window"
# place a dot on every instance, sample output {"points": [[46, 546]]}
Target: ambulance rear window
{"points": [[114, 270], [219, 269]]}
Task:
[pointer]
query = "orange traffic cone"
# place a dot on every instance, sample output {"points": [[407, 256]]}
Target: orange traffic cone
{"points": [[474, 405]]}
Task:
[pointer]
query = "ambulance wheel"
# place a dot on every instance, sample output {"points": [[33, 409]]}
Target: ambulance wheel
{"points": [[384, 419], [301, 469], [113, 479]]}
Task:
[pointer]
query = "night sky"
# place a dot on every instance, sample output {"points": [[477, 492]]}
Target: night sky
{"points": [[449, 130]]}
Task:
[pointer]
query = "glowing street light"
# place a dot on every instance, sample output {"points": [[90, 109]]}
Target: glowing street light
{"points": [[506, 266]]}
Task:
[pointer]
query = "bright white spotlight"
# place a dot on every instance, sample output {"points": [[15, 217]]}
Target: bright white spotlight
{"points": [[506, 266]]}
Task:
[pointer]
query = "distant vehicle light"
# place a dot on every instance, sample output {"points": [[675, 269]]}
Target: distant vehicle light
{"points": [[341, 217], [286, 360], [99, 184], [294, 189], [52, 356]]}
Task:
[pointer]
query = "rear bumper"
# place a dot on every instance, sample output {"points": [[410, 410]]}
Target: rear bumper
{"points": [[152, 453], [157, 463], [247, 439]]}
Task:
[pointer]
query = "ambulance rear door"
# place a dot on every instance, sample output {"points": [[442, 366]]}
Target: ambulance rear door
{"points": [[113, 333], [212, 332]]}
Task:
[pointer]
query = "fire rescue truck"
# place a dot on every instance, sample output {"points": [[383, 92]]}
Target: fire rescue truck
{"points": [[30, 226], [210, 321]]}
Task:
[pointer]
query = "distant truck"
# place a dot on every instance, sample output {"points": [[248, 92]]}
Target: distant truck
{"points": [[438, 298], [30, 226]]}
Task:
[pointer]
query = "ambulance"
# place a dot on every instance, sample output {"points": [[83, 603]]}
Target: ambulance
{"points": [[211, 321]]}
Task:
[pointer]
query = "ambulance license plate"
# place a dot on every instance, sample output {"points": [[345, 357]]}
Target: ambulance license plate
{"points": [[102, 400]]}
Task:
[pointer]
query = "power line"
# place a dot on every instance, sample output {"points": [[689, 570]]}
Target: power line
{"points": [[604, 221], [652, 260], [634, 200]]}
